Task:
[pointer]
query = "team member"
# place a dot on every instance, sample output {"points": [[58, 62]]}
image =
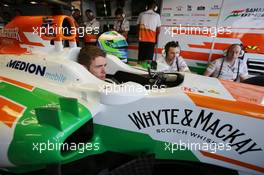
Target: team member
{"points": [[77, 17], [94, 60], [92, 28], [230, 67], [121, 25], [172, 61], [149, 28]]}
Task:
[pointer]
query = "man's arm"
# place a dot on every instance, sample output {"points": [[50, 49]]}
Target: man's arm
{"points": [[210, 69], [138, 29], [126, 29], [183, 65], [243, 72], [157, 33], [207, 73]]}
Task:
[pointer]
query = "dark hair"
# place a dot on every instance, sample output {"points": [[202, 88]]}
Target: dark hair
{"points": [[76, 10], [119, 11], [171, 44], [88, 11], [151, 4], [88, 54]]}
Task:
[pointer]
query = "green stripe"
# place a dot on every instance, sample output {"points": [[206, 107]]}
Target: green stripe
{"points": [[21, 151]]}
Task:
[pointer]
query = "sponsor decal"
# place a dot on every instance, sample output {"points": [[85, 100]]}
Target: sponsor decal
{"points": [[197, 14], [213, 14], [167, 8], [11, 33], [179, 8], [215, 7], [27, 67], [55, 76], [166, 14], [203, 120], [36, 69], [201, 8], [248, 12], [189, 8], [251, 48], [180, 14], [198, 90]]}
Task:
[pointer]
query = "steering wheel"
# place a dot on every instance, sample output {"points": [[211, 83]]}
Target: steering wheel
{"points": [[156, 79]]}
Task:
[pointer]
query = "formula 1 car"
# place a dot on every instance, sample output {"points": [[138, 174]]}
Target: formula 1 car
{"points": [[53, 111]]}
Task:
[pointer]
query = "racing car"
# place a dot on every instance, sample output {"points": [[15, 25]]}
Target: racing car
{"points": [[53, 111]]}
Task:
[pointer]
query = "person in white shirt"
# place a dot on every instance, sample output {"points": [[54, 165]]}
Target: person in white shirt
{"points": [[92, 28], [230, 67], [149, 27], [121, 25], [172, 62]]}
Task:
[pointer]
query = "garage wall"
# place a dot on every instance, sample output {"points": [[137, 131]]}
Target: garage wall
{"points": [[205, 28]]}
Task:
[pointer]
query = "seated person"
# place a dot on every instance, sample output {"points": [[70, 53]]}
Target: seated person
{"points": [[230, 67], [172, 62], [94, 60]]}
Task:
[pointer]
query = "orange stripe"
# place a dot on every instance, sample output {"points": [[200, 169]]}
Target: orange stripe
{"points": [[186, 54], [205, 45], [146, 35], [233, 161], [17, 83], [241, 91], [195, 55], [5, 117], [236, 107]]}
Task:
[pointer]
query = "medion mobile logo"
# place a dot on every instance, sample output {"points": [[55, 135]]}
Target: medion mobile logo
{"points": [[36, 69], [27, 67]]}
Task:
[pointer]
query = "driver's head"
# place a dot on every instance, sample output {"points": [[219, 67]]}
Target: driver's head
{"points": [[172, 50], [94, 60]]}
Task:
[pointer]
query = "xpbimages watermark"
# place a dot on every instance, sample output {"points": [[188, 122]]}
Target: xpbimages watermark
{"points": [[193, 30], [209, 147], [51, 31], [51, 146], [131, 88]]}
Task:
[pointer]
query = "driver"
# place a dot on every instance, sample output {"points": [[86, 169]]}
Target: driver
{"points": [[172, 62], [93, 59]]}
